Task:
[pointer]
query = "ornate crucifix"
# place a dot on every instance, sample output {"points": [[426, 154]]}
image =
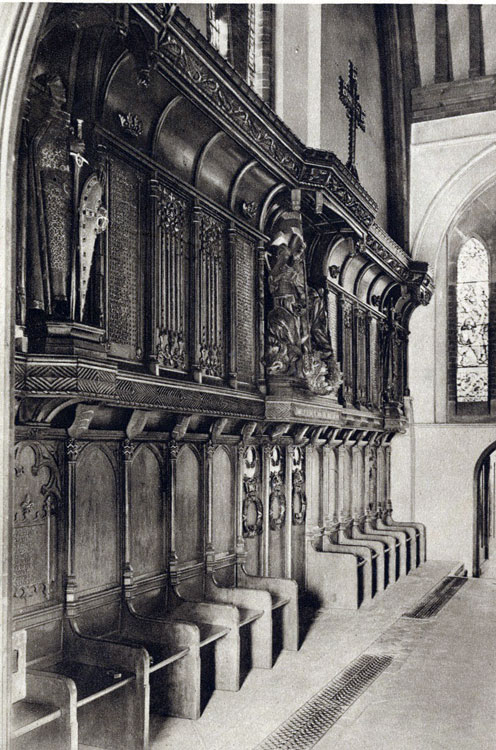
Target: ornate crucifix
{"points": [[348, 94]]}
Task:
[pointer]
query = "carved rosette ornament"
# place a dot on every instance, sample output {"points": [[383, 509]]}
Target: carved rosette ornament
{"points": [[299, 347]]}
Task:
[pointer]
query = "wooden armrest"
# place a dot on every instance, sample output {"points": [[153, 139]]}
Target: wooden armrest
{"points": [[248, 615], [286, 587], [103, 652], [160, 628], [243, 597], [207, 612]]}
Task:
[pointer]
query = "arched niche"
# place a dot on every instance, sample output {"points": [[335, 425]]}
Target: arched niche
{"points": [[188, 506], [223, 503], [148, 524], [96, 538]]}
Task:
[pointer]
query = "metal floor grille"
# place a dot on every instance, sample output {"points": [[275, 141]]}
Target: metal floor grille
{"points": [[310, 722], [438, 597]]}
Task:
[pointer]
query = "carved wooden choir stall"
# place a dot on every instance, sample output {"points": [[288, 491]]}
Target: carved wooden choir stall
{"points": [[211, 337]]}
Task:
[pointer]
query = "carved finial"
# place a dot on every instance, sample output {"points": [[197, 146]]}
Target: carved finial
{"points": [[210, 450]]}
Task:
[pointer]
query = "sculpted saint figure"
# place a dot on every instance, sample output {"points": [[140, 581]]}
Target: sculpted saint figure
{"points": [[299, 344]]}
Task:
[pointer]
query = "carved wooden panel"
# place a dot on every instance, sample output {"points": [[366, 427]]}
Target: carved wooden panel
{"points": [[124, 275], [252, 509], [277, 511], [361, 356], [223, 502], [245, 302], [97, 539], [299, 509], [346, 349], [171, 217], [188, 506], [36, 520], [332, 316], [375, 356], [147, 518], [210, 296]]}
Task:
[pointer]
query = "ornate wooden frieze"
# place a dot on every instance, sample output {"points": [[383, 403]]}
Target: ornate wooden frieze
{"points": [[171, 251], [277, 500], [252, 512], [199, 77], [36, 513], [299, 499], [209, 295], [124, 261], [245, 308]]}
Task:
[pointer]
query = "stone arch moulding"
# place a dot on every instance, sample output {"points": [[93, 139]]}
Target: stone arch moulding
{"points": [[475, 528], [21, 23], [462, 187]]}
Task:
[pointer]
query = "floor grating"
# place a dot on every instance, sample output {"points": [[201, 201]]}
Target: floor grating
{"points": [[310, 722], [438, 597]]}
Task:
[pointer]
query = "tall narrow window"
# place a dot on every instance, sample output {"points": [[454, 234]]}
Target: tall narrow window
{"points": [[242, 33], [472, 312]]}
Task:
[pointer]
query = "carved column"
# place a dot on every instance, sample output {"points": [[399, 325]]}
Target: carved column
{"points": [[388, 506], [328, 484], [173, 453], [381, 480], [232, 365], [127, 453], [331, 465], [356, 486], [266, 453], [261, 316], [288, 483], [72, 452], [209, 549]]}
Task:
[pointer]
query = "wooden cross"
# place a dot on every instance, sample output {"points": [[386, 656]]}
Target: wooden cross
{"points": [[348, 94]]}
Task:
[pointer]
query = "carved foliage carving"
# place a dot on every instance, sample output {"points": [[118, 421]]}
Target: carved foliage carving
{"points": [[252, 510], [36, 509], [299, 499], [277, 500], [172, 228], [211, 349]]}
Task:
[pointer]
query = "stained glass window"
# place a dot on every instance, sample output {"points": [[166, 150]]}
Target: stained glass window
{"points": [[472, 306]]}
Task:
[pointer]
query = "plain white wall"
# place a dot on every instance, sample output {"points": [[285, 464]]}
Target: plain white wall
{"points": [[451, 161]]}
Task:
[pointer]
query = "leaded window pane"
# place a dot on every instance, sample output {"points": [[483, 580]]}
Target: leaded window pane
{"points": [[472, 304]]}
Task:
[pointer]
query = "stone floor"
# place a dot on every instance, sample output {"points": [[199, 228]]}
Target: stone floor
{"points": [[438, 692]]}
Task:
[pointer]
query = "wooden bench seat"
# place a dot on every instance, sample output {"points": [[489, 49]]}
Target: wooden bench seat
{"points": [[217, 624], [45, 718]]}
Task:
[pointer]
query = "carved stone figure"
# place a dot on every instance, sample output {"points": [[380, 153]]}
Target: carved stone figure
{"points": [[321, 338]]}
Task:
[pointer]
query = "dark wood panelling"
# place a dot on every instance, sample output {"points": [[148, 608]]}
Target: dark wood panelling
{"points": [[124, 273], [148, 524], [223, 502], [97, 529], [188, 507], [245, 309], [37, 517]]}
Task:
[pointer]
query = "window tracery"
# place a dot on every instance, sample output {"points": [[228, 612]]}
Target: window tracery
{"points": [[472, 332]]}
